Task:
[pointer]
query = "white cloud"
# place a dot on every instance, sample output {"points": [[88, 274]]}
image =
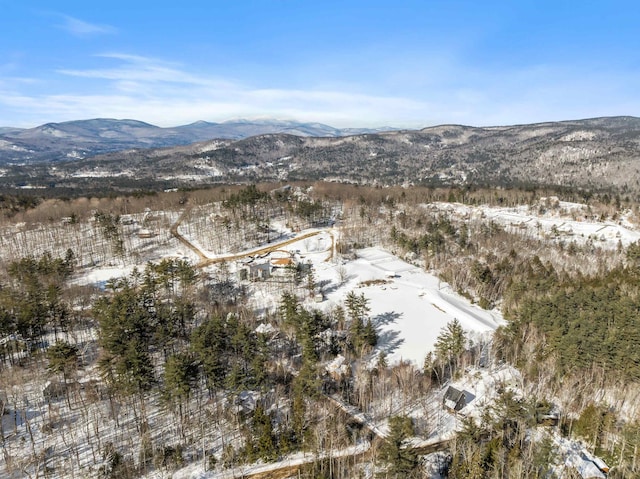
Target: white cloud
{"points": [[168, 94], [135, 68], [336, 108], [81, 28]]}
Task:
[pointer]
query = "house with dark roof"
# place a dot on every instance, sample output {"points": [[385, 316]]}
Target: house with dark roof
{"points": [[454, 400], [601, 464]]}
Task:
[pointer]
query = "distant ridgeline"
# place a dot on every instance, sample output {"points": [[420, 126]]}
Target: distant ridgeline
{"points": [[595, 155]]}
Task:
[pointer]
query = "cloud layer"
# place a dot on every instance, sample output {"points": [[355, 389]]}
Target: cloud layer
{"points": [[166, 94], [154, 68], [81, 28]]}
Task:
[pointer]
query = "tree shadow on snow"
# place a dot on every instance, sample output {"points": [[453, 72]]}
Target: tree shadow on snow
{"points": [[327, 286], [388, 341], [385, 318], [15, 417]]}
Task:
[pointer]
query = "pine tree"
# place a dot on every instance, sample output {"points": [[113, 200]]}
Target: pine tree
{"points": [[401, 460], [311, 282], [450, 344], [210, 342], [362, 333], [63, 358], [180, 374], [125, 335], [263, 432], [289, 309]]}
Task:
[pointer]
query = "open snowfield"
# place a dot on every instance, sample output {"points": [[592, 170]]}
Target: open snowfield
{"points": [[409, 309], [413, 307]]}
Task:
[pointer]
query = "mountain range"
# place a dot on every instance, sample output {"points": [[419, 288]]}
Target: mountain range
{"points": [[598, 154], [86, 138]]}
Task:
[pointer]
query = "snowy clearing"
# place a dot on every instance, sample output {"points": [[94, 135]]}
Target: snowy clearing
{"points": [[409, 309], [563, 221]]}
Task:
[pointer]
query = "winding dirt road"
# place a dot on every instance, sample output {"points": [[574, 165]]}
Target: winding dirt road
{"points": [[204, 260]]}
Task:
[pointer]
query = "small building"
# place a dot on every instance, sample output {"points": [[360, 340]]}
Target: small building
{"points": [[283, 262], [550, 419], [584, 467], [338, 368], [255, 271], [245, 403], [454, 400]]}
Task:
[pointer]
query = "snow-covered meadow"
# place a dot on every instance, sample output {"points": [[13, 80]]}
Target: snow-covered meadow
{"points": [[408, 305]]}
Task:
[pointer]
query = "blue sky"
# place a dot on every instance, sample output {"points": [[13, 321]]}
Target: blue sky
{"points": [[345, 63]]}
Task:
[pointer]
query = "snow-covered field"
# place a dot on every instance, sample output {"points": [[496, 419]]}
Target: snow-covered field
{"points": [[410, 308], [564, 222]]}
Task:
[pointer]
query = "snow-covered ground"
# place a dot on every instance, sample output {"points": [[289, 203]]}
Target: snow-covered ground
{"points": [[572, 454], [410, 308], [481, 385], [564, 222], [196, 471], [100, 276]]}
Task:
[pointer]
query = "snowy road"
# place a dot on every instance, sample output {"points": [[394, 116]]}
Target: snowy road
{"points": [[207, 260]]}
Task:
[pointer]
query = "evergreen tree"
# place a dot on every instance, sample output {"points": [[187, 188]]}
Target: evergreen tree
{"points": [[289, 309], [210, 343], [311, 282], [450, 344], [401, 460], [125, 335], [263, 433], [362, 333], [180, 375], [63, 358]]}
